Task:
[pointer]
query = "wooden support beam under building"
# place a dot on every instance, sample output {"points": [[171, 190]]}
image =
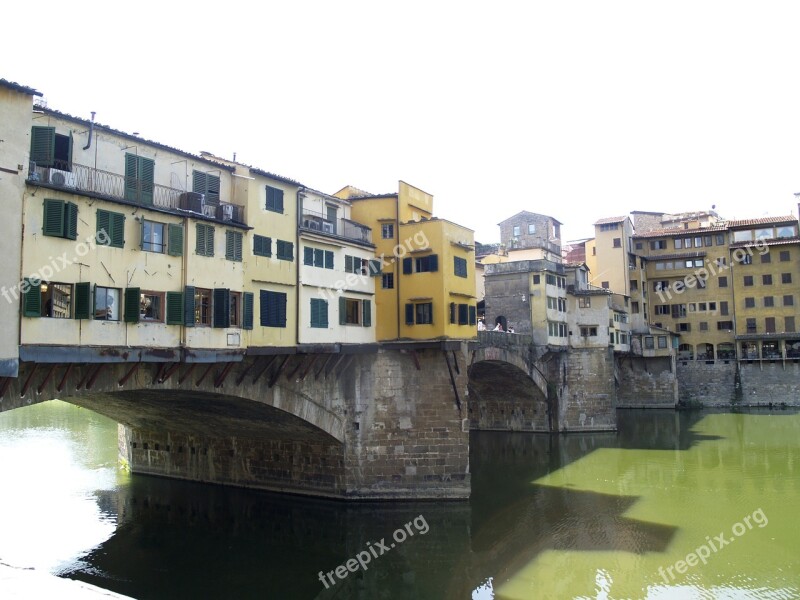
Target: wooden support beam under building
{"points": [[334, 364], [4, 386], [94, 376], [47, 377], [453, 381], [168, 373], [277, 373], [186, 374], [28, 381], [63, 381], [205, 373], [455, 362], [159, 372], [129, 374], [290, 375], [415, 356], [305, 371], [267, 364], [223, 375], [245, 371], [85, 376], [322, 366]]}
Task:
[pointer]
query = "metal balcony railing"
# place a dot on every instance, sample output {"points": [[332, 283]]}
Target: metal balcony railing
{"points": [[81, 178], [319, 223]]}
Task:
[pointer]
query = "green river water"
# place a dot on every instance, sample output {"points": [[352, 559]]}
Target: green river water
{"points": [[675, 505]]}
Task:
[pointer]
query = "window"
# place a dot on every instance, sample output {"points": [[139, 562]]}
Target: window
{"points": [[387, 281], [110, 228], [473, 315], [139, 178], [202, 307], [683, 327], [463, 314], [316, 257], [708, 241], [723, 307], [720, 239], [604, 285], [698, 242], [766, 279], [617, 242], [769, 301], [60, 219], [106, 304], [634, 285], [765, 258], [751, 325], [50, 149], [703, 326], [427, 264], [234, 312], [584, 302], [769, 324], [153, 237], [588, 331], [285, 250], [273, 309], [788, 300], [748, 280], [749, 302], [635, 308], [649, 342], [786, 278], [562, 305], [420, 313], [516, 231], [151, 306], [356, 264], [678, 311], [785, 256], [789, 326], [460, 266], [784, 232], [765, 234], [205, 240], [233, 245], [639, 245], [658, 245], [262, 246], [274, 199], [609, 226], [747, 259], [662, 309], [387, 231], [319, 313], [662, 341], [678, 244], [537, 279], [531, 228], [354, 312], [50, 299], [724, 325], [206, 184], [723, 281], [687, 242]]}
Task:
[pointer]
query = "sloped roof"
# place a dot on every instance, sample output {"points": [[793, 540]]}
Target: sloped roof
{"points": [[607, 220], [762, 221], [527, 213], [12, 85], [677, 231]]}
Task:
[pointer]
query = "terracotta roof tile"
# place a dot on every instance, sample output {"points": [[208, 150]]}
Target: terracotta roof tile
{"points": [[607, 220], [761, 221]]}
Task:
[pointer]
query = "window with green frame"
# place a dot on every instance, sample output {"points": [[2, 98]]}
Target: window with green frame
{"points": [[50, 149], [285, 250], [139, 179], [205, 240], [460, 266], [233, 245], [272, 311], [206, 184], [110, 228], [319, 313], [60, 219], [274, 199], [262, 246], [316, 257]]}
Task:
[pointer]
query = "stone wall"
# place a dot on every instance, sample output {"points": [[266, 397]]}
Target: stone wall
{"points": [[542, 236], [707, 384], [504, 297], [585, 382], [646, 382], [770, 382]]}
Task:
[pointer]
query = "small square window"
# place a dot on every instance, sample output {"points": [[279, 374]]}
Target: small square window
{"points": [[151, 307], [106, 304]]}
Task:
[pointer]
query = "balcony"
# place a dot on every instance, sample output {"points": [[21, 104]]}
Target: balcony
{"points": [[343, 228], [95, 182]]}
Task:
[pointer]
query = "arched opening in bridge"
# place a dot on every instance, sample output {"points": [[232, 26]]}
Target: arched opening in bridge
{"points": [[503, 397]]}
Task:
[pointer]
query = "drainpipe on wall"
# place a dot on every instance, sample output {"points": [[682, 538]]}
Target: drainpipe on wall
{"points": [[91, 130]]}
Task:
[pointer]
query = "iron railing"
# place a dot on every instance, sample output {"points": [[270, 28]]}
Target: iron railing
{"points": [[319, 223]]}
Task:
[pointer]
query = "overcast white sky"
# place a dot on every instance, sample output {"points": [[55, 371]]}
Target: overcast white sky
{"points": [[579, 109]]}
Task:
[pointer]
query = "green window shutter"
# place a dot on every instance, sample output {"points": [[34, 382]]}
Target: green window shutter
{"points": [[31, 298], [375, 267], [117, 230], [71, 221], [328, 259], [175, 240], [131, 312], [237, 251], [247, 310], [103, 227], [200, 245], [222, 307], [53, 222], [209, 240], [409, 314], [262, 246], [407, 266], [348, 263], [188, 306], [433, 263], [147, 167], [452, 312], [175, 308], [319, 257], [131, 178], [83, 301], [473, 315], [199, 182], [319, 313], [366, 310], [212, 189], [308, 255], [342, 310], [230, 245], [43, 145]]}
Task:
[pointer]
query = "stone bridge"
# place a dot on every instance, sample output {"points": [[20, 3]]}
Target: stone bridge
{"points": [[363, 422]]}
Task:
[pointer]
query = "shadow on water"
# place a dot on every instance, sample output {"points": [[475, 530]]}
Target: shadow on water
{"points": [[183, 540]]}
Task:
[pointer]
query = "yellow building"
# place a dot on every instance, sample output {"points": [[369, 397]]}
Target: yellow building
{"points": [[16, 102], [427, 283]]}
